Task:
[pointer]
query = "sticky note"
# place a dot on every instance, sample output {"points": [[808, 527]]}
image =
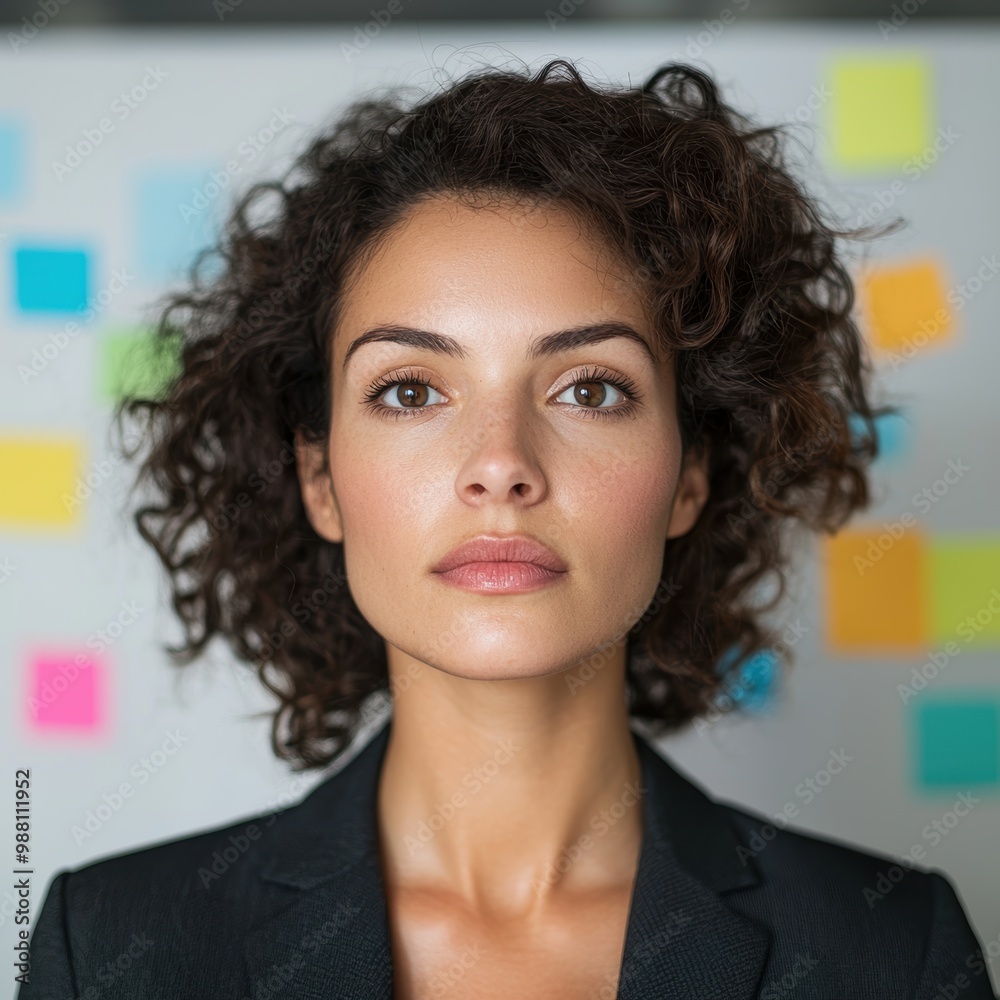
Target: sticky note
{"points": [[880, 112], [51, 279], [956, 740], [66, 692], [12, 155], [904, 308], [875, 586], [893, 435], [137, 363], [173, 218], [39, 478], [965, 589], [751, 684]]}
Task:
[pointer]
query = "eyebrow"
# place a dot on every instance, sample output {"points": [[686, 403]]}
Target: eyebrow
{"points": [[551, 343]]}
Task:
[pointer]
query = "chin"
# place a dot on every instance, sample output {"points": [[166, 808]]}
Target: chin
{"points": [[504, 671], [510, 663]]}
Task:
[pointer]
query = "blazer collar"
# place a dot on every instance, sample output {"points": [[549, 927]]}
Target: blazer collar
{"points": [[325, 930]]}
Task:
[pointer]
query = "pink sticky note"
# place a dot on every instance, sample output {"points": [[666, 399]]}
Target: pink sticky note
{"points": [[66, 691]]}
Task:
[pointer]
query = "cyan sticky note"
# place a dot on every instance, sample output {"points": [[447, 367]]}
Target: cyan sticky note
{"points": [[893, 434], [174, 215], [880, 114], [12, 172], [750, 684], [957, 741], [66, 692], [51, 279]]}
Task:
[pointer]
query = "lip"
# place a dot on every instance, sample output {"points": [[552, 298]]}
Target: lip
{"points": [[500, 577], [494, 549]]}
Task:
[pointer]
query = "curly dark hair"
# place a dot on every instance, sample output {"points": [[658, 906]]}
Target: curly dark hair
{"points": [[748, 292]]}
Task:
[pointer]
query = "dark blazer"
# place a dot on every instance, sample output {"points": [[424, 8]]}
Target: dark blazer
{"points": [[291, 904]]}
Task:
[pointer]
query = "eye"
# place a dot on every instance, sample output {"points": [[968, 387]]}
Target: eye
{"points": [[408, 395], [594, 393], [591, 394], [592, 389], [399, 394]]}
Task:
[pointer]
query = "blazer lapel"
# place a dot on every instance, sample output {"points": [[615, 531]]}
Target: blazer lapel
{"points": [[323, 929], [682, 940], [325, 934]]}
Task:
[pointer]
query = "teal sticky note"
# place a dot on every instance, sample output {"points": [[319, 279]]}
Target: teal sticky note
{"points": [[174, 214], [957, 740], [51, 279], [12, 171]]}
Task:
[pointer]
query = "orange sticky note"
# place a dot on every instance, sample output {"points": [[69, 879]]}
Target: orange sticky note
{"points": [[876, 590], [905, 308]]}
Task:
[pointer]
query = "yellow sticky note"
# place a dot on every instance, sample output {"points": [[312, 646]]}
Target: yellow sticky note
{"points": [[880, 111], [965, 589], [38, 481], [875, 581], [904, 306]]}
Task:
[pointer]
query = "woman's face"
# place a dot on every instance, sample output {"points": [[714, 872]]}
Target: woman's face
{"points": [[506, 438]]}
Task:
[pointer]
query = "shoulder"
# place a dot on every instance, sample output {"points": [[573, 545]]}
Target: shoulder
{"points": [[842, 920], [787, 857], [136, 919], [233, 853], [180, 911], [866, 917]]}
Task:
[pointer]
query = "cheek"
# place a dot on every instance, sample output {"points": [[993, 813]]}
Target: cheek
{"points": [[385, 497], [625, 502]]}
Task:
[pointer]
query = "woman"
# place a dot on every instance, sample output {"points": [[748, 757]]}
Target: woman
{"points": [[501, 411]]}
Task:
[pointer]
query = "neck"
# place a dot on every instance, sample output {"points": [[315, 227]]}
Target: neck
{"points": [[510, 794]]}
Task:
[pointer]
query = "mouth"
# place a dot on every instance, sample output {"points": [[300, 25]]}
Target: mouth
{"points": [[493, 564]]}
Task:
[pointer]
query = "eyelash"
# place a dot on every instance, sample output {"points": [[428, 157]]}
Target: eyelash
{"points": [[624, 385]]}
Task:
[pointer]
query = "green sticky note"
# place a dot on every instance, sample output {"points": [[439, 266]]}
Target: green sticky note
{"points": [[137, 363], [957, 741], [964, 586], [880, 113]]}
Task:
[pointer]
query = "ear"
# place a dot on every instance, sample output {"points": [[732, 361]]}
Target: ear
{"points": [[316, 485], [692, 491]]}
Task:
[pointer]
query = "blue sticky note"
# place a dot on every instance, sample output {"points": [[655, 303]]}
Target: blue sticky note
{"points": [[957, 742], [175, 210], [893, 432], [751, 683], [11, 161], [50, 279]]}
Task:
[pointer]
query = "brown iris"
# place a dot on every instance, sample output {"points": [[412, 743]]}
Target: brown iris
{"points": [[586, 394], [412, 393]]}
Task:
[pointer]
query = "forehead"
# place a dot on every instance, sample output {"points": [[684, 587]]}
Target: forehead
{"points": [[497, 267]]}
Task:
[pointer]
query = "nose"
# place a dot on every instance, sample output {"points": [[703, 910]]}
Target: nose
{"points": [[501, 462]]}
